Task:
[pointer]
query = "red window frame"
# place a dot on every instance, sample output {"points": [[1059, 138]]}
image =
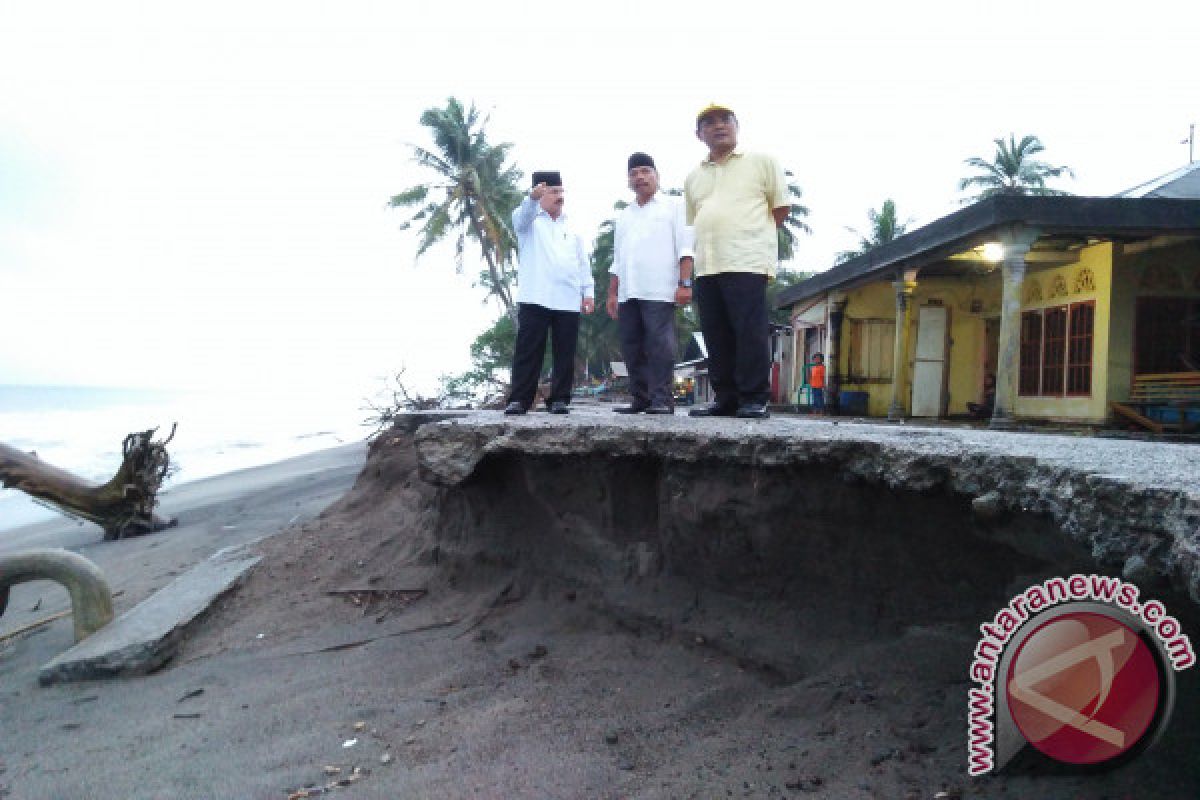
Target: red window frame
{"points": [[1029, 382], [1081, 328], [1054, 350]]}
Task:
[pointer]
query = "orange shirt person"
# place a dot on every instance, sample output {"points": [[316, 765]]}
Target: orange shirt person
{"points": [[816, 381]]}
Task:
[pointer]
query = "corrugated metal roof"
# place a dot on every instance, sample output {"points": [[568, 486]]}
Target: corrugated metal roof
{"points": [[1183, 183]]}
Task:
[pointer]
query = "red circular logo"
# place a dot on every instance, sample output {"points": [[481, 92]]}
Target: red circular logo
{"points": [[1083, 688]]}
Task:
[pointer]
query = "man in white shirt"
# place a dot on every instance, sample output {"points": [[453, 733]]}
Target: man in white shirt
{"points": [[554, 283], [651, 272]]}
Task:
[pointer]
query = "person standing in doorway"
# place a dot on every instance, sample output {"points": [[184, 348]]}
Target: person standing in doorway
{"points": [[650, 275], [735, 201], [554, 284]]}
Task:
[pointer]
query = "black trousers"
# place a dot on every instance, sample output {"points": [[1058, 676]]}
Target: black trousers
{"points": [[733, 318], [533, 324], [647, 332]]}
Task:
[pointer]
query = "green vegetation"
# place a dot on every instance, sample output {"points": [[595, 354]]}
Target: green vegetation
{"points": [[473, 191], [472, 195], [795, 222], [884, 228], [1012, 170], [783, 279]]}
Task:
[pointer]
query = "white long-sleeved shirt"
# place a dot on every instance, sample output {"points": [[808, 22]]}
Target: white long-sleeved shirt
{"points": [[552, 264], [649, 242]]}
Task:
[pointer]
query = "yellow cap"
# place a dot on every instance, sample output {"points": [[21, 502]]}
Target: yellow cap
{"points": [[710, 108]]}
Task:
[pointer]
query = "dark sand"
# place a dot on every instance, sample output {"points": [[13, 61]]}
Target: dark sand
{"points": [[499, 685]]}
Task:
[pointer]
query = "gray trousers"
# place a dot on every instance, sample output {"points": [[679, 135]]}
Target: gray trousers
{"points": [[647, 332]]}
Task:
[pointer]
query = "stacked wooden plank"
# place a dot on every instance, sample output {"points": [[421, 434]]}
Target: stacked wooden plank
{"points": [[1161, 401]]}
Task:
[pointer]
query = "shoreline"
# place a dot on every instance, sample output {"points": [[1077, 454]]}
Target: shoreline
{"points": [[451, 641], [236, 508], [59, 530], [33, 514]]}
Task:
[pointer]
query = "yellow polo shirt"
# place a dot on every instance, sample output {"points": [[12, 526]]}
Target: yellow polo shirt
{"points": [[729, 204]]}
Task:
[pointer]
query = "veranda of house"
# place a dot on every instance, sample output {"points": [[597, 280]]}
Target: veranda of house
{"points": [[1100, 290]]}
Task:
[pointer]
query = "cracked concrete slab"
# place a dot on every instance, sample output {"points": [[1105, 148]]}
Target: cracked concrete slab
{"points": [[147, 636], [1134, 505]]}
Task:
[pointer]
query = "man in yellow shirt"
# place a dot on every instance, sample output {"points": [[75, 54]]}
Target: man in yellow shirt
{"points": [[735, 201]]}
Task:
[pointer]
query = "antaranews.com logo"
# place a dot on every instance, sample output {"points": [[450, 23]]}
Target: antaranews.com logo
{"points": [[1078, 668]]}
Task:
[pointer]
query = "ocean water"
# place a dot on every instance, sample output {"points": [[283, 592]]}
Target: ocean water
{"points": [[81, 429]]}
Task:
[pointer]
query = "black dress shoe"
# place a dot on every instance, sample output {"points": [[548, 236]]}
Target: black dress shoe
{"points": [[558, 407], [714, 410], [633, 408], [653, 409], [514, 409], [753, 411]]}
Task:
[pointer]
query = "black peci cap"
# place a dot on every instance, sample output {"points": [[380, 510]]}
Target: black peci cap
{"points": [[548, 178], [640, 160]]}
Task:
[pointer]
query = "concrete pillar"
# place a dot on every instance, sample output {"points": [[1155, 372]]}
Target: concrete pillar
{"points": [[904, 286], [1016, 241], [833, 378]]}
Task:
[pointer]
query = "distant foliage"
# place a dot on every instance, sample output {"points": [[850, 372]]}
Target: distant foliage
{"points": [[1012, 170], [885, 227], [795, 223], [784, 279]]}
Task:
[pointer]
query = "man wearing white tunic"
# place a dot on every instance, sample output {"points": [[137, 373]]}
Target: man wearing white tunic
{"points": [[554, 283], [650, 274]]}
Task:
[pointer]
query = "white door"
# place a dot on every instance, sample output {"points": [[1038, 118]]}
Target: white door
{"points": [[929, 369]]}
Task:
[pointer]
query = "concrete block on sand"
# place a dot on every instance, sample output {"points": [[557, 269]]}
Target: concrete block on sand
{"points": [[147, 636]]}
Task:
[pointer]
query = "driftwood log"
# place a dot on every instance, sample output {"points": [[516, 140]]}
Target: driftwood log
{"points": [[124, 506], [91, 599]]}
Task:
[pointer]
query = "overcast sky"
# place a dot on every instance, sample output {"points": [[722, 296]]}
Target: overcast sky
{"points": [[195, 193]]}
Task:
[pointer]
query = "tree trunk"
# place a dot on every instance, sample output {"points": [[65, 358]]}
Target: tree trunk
{"points": [[124, 506], [500, 286]]}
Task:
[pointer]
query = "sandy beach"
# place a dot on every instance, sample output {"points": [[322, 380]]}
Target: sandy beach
{"points": [[41, 736], [356, 663]]}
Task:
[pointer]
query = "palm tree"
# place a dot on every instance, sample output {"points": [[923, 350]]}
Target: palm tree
{"points": [[473, 194], [599, 342], [884, 228], [1012, 170], [784, 279], [794, 223]]}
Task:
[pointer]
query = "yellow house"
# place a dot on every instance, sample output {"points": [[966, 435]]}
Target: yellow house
{"points": [[1058, 301]]}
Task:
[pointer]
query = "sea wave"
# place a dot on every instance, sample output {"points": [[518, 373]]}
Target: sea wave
{"points": [[81, 429]]}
